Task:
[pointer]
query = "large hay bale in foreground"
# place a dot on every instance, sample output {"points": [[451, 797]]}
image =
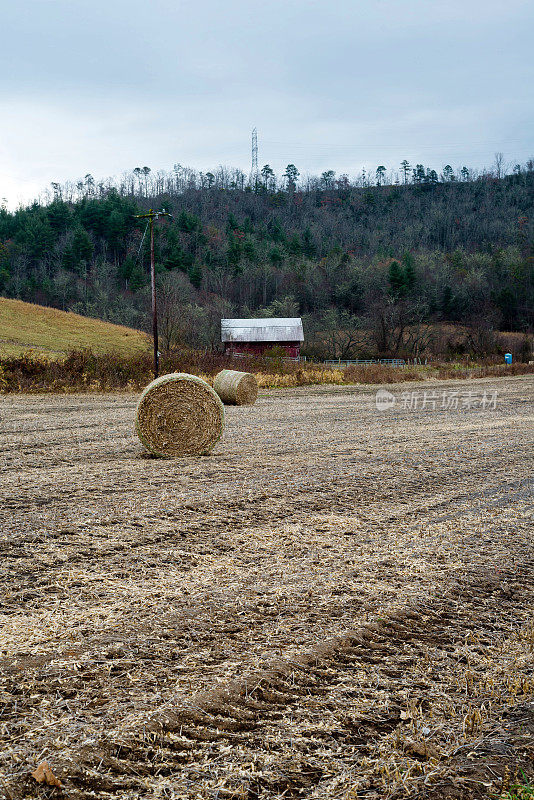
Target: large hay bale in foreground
{"points": [[179, 415], [236, 388]]}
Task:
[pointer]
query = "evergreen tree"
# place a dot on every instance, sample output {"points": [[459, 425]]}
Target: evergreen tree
{"points": [[59, 216], [327, 179], [294, 245], [195, 275], [82, 247], [275, 256], [380, 174], [448, 173], [419, 174], [137, 277], [234, 254], [268, 176], [396, 277], [249, 250], [231, 224], [291, 175], [309, 248], [125, 269], [405, 167]]}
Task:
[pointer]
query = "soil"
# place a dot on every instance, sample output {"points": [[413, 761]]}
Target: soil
{"points": [[335, 603]]}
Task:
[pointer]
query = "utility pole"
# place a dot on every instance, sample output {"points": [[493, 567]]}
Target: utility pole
{"points": [[151, 216]]}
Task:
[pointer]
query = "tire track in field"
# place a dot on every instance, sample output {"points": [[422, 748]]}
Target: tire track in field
{"points": [[204, 743]]}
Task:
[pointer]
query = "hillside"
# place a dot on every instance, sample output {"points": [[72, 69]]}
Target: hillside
{"points": [[25, 326], [348, 255]]}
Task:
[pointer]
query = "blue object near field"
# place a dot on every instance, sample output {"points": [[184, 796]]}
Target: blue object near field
{"points": [[508, 358]]}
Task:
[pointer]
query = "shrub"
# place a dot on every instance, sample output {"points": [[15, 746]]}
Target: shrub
{"points": [[83, 370], [380, 373]]}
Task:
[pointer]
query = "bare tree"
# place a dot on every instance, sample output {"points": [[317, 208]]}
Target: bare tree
{"points": [[335, 334], [499, 159], [399, 328], [146, 172], [175, 293]]}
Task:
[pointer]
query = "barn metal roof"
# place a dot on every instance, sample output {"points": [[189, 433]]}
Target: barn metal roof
{"points": [[268, 329]]}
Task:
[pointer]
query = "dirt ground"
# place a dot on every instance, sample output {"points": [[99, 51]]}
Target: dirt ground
{"points": [[336, 603]]}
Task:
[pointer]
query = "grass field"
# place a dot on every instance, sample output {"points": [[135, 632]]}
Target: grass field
{"points": [[54, 333], [335, 604]]}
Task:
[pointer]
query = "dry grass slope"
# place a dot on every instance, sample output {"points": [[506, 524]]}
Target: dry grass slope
{"points": [[54, 333]]}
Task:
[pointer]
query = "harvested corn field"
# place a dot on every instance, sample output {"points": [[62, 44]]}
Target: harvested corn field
{"points": [[335, 603]]}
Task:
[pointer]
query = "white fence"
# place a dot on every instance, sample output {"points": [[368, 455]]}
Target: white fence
{"points": [[392, 362], [342, 363]]}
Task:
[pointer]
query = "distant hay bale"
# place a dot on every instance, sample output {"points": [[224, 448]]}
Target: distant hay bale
{"points": [[179, 415], [236, 388]]}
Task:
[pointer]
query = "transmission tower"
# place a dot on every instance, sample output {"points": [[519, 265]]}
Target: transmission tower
{"points": [[254, 164]]}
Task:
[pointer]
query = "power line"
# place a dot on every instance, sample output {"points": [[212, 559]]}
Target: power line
{"points": [[140, 246], [325, 146]]}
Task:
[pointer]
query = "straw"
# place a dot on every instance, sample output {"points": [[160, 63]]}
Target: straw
{"points": [[179, 415], [236, 388]]}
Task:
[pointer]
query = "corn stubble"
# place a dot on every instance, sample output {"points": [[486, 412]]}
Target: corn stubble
{"points": [[336, 603]]}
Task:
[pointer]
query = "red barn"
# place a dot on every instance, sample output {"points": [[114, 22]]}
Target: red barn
{"points": [[255, 336]]}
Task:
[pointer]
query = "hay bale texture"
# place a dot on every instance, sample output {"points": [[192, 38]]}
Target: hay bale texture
{"points": [[179, 415], [236, 388]]}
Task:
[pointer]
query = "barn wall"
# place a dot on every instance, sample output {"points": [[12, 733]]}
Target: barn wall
{"points": [[292, 349]]}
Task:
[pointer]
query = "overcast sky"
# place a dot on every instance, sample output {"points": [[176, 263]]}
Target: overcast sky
{"points": [[104, 86]]}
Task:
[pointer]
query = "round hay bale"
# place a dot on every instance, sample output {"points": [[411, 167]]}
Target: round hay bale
{"points": [[179, 415], [236, 388]]}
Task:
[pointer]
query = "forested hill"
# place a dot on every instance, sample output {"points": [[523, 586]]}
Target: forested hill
{"points": [[432, 249]]}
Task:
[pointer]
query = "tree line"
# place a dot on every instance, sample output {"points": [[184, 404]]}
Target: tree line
{"points": [[374, 262]]}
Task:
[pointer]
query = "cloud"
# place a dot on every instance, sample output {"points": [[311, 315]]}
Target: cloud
{"points": [[104, 86]]}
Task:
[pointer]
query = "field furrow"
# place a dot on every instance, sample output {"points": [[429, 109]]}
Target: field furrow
{"points": [[336, 603]]}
